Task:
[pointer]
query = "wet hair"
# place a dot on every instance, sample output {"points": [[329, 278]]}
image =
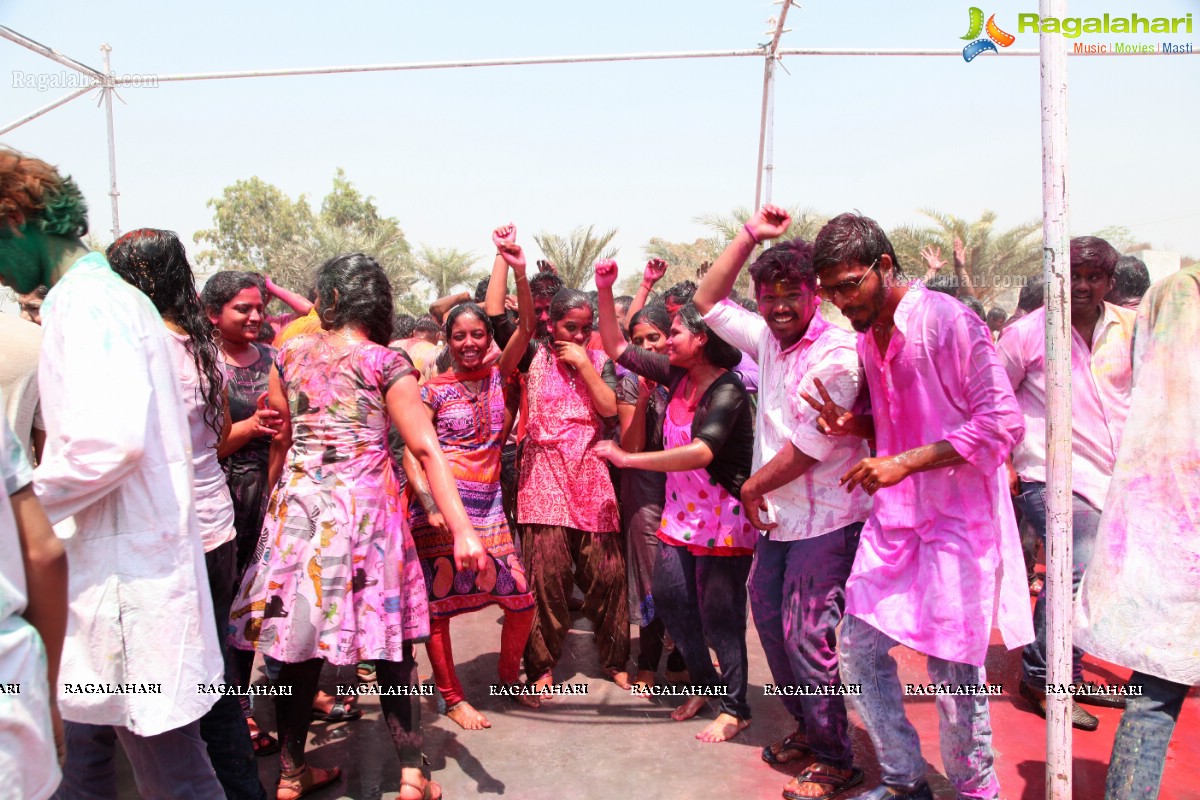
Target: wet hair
{"points": [[654, 315], [469, 309], [223, 287], [403, 326], [717, 351], [1132, 280], [623, 302], [567, 300], [427, 325], [155, 262], [974, 304], [1033, 294], [943, 284], [1094, 252], [481, 289], [996, 316], [353, 288], [852, 238], [790, 261], [681, 293], [545, 285], [34, 193]]}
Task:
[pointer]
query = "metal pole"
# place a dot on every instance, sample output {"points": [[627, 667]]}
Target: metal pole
{"points": [[48, 52], [46, 108], [766, 123], [108, 90], [1057, 270]]}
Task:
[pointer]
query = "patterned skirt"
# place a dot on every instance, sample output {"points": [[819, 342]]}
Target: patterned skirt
{"points": [[453, 591]]}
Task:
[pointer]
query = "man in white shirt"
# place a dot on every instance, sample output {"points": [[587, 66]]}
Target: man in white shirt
{"points": [[811, 524], [140, 633]]}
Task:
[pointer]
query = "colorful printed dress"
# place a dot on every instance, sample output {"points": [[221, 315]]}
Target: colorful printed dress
{"points": [[339, 577], [469, 429]]}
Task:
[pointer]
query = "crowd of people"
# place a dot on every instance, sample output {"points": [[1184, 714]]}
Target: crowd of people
{"points": [[332, 493]]}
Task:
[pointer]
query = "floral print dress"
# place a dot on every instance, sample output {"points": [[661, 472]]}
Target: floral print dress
{"points": [[338, 577]]}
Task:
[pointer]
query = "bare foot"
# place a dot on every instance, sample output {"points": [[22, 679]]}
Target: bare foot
{"points": [[528, 700], [543, 684], [724, 727], [644, 679], [467, 717], [689, 709], [413, 785], [619, 677]]}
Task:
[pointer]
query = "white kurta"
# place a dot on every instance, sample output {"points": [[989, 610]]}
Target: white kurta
{"points": [[140, 630], [1140, 601]]}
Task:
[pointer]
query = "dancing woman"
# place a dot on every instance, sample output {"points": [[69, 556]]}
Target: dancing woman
{"points": [[706, 543], [339, 579], [472, 406]]}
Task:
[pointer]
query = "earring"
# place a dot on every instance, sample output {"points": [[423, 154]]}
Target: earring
{"points": [[327, 320]]}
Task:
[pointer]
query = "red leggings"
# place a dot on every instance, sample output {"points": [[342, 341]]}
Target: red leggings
{"points": [[513, 636]]}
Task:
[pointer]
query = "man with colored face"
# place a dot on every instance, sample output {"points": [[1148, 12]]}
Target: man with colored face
{"points": [[939, 557], [1101, 381], [810, 525], [118, 461]]}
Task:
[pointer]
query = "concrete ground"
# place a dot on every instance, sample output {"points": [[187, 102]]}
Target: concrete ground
{"points": [[607, 744]]}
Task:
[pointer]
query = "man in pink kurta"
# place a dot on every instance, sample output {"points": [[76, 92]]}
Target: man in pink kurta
{"points": [[939, 562]]}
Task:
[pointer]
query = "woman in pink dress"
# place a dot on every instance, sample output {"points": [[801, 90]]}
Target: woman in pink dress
{"points": [[566, 505], [472, 406], [338, 577]]}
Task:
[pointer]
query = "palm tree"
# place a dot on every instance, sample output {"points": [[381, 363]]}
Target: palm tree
{"points": [[806, 223], [574, 255], [445, 269], [383, 242], [997, 260]]}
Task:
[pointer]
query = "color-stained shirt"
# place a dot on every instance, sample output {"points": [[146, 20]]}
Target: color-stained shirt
{"points": [[939, 561], [1139, 605], [27, 758], [118, 459], [1101, 377], [813, 504]]}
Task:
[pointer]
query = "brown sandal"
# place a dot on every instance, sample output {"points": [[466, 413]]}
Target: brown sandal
{"points": [[306, 781], [426, 789]]}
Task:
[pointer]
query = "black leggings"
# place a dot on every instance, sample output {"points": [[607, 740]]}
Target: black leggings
{"points": [[402, 712]]}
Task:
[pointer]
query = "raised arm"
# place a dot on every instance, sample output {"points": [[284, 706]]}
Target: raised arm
{"points": [[298, 303], [512, 256], [439, 308], [493, 301], [610, 330], [769, 222], [655, 269], [965, 289]]}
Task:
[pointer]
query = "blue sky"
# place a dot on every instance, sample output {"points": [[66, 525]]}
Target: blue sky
{"points": [[645, 147]]}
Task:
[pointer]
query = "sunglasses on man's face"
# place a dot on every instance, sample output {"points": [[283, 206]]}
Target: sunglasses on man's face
{"points": [[846, 289]]}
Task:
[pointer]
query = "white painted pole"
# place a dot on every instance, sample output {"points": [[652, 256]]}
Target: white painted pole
{"points": [[32, 115], [766, 123], [113, 194], [1057, 269]]}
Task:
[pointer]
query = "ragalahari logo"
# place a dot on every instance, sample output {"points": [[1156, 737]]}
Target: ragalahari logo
{"points": [[995, 36]]}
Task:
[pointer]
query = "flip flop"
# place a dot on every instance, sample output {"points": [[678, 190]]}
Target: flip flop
{"points": [[814, 774], [792, 743], [338, 712], [304, 783], [264, 744]]}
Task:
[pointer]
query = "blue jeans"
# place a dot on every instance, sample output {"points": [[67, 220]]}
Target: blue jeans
{"points": [[1140, 748], [170, 766], [702, 599], [1085, 521], [797, 594], [965, 726]]}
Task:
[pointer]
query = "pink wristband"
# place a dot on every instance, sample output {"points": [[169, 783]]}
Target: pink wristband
{"points": [[750, 231]]}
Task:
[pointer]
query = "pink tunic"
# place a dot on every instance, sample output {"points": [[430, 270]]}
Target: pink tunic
{"points": [[563, 482], [940, 557]]}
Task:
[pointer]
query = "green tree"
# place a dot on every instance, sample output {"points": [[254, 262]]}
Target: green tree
{"points": [[996, 259], [447, 269], [685, 262], [323, 240], [254, 222], [574, 254]]}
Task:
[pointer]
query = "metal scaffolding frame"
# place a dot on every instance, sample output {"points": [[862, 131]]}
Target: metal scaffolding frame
{"points": [[1052, 53]]}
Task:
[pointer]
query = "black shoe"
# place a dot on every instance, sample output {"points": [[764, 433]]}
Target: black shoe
{"points": [[1102, 700], [885, 792], [1080, 718]]}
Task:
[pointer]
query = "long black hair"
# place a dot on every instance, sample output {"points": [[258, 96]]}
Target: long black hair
{"points": [[353, 288], [717, 351], [155, 262]]}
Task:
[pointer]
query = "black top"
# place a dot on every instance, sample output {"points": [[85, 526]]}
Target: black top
{"points": [[627, 393], [504, 327], [723, 418]]}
